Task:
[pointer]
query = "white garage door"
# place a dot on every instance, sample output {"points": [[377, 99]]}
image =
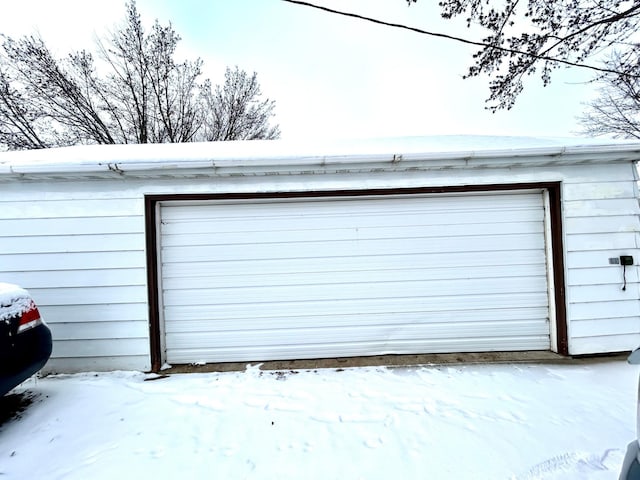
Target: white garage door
{"points": [[249, 280]]}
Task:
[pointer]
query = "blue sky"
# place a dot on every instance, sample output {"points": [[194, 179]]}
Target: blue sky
{"points": [[330, 76]]}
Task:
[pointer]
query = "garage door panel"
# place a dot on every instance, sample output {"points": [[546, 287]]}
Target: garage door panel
{"points": [[469, 261], [340, 308], [365, 290], [363, 333], [241, 280], [526, 305], [354, 348], [338, 249], [251, 280], [193, 321], [374, 224], [414, 232], [497, 202], [347, 215]]}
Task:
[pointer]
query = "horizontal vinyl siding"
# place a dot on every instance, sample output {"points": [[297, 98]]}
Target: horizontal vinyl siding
{"points": [[601, 222], [105, 279], [81, 256]]}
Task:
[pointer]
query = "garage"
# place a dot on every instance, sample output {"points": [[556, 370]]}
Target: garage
{"points": [[356, 273], [231, 253]]}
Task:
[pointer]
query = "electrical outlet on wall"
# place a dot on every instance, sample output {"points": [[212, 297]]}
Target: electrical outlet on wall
{"points": [[626, 260]]}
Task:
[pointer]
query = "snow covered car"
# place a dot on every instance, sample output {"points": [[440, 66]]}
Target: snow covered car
{"points": [[25, 339], [631, 464]]}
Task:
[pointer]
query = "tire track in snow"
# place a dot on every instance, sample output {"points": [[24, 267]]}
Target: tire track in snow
{"points": [[578, 465]]}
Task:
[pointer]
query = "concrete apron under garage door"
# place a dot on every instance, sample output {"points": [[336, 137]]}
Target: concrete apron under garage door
{"points": [[293, 278]]}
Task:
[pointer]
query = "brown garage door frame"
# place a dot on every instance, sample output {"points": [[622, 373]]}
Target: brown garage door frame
{"points": [[151, 238]]}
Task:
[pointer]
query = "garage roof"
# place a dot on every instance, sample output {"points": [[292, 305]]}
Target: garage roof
{"points": [[285, 157]]}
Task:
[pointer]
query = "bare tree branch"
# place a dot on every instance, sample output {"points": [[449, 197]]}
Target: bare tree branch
{"points": [[537, 34], [616, 111], [459, 39]]}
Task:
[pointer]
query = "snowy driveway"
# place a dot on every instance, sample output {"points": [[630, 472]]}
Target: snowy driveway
{"points": [[519, 421]]}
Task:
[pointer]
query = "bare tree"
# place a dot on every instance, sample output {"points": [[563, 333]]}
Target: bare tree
{"points": [[141, 95], [236, 110], [535, 36], [18, 122], [175, 89], [148, 95], [127, 89], [616, 111], [60, 113]]}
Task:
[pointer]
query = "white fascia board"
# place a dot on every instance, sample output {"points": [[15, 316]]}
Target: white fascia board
{"points": [[277, 157]]}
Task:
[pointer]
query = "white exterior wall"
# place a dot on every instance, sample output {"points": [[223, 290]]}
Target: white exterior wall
{"points": [[79, 249], [78, 246], [600, 209]]}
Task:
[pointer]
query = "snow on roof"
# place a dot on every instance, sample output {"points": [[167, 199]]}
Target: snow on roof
{"points": [[160, 159]]}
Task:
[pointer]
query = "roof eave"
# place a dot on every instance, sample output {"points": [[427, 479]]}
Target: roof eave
{"points": [[296, 164]]}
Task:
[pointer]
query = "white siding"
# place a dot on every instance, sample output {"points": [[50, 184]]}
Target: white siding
{"points": [[81, 255], [78, 245], [601, 221]]}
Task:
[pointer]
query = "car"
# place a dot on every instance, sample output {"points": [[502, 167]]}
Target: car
{"points": [[25, 339], [631, 464]]}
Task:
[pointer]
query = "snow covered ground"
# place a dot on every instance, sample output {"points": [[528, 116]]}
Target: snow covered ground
{"points": [[517, 421]]}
